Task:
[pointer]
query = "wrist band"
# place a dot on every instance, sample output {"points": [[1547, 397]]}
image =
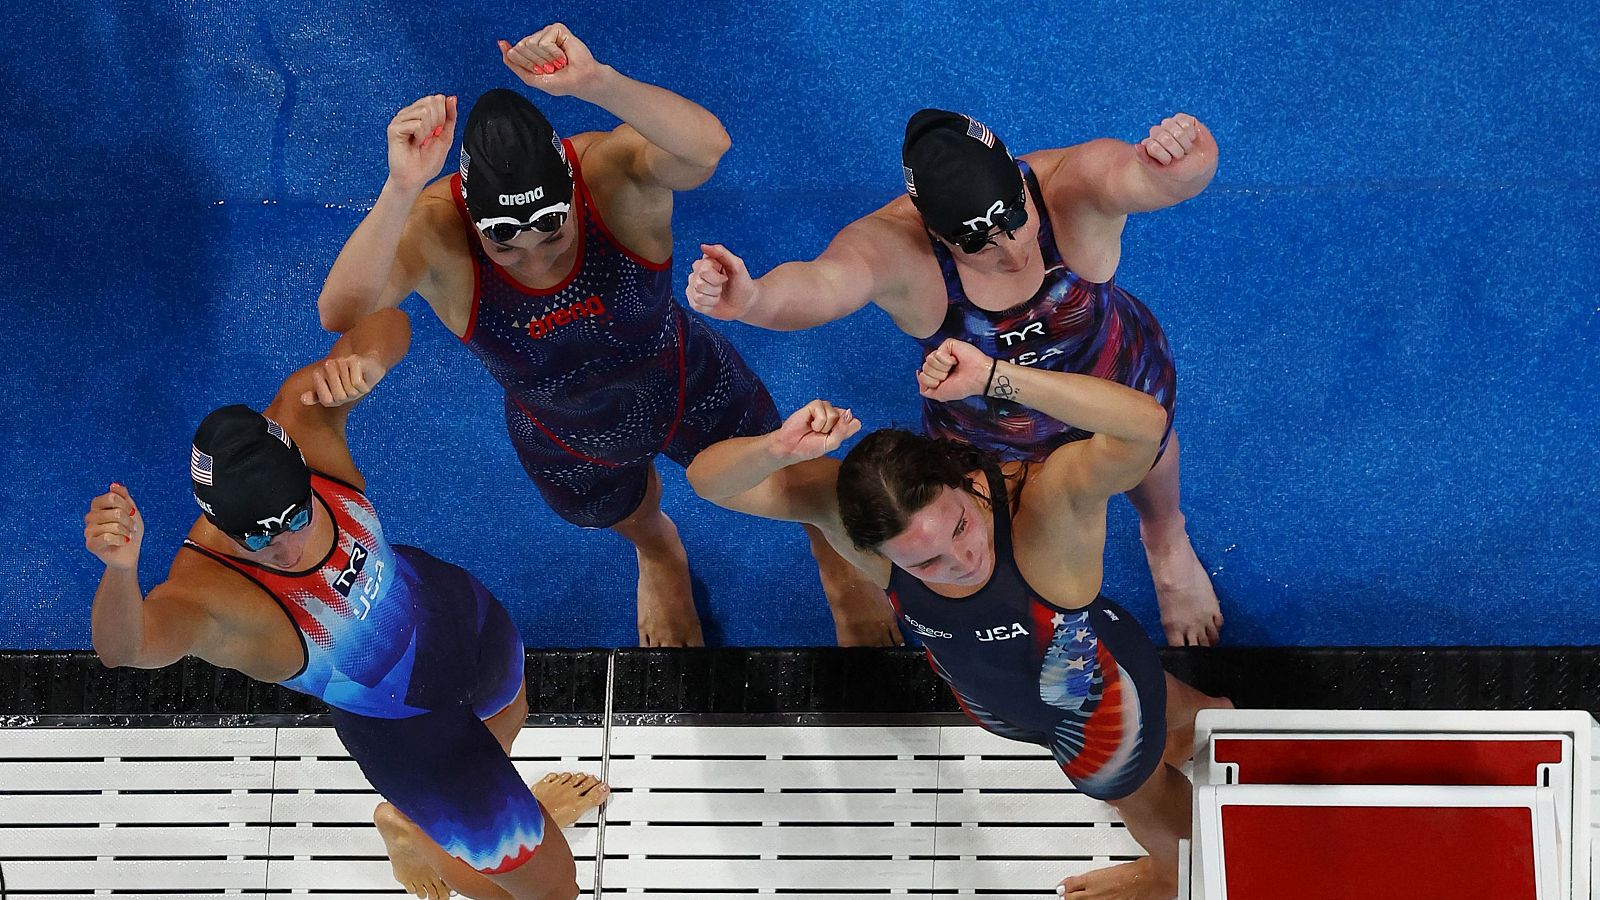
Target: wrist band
{"points": [[989, 382]]}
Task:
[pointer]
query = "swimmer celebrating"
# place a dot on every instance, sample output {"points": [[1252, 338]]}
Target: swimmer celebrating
{"points": [[288, 578], [551, 260], [1017, 257], [998, 565]]}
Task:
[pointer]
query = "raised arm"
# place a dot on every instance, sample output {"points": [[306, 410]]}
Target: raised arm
{"points": [[127, 627], [315, 401], [786, 475], [385, 259], [1173, 164], [1128, 425], [669, 141], [865, 261]]}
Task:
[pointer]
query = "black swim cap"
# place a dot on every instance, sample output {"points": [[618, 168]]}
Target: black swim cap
{"points": [[956, 172], [512, 165], [245, 470]]}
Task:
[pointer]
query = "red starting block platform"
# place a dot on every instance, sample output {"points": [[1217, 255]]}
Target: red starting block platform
{"points": [[1383, 805]]}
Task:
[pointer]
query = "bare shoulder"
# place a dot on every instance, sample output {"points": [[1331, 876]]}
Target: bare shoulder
{"points": [[318, 432], [436, 244], [894, 245], [1068, 176], [894, 229], [203, 584], [236, 622], [636, 211]]}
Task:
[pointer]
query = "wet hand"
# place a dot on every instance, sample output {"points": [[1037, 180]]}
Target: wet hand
{"points": [[1172, 139], [113, 530], [953, 371], [553, 60], [420, 136], [814, 430], [343, 380], [719, 284]]}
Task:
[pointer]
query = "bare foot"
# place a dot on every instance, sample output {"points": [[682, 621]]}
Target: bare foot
{"points": [[667, 616], [1189, 610], [862, 614], [865, 621], [566, 796], [1180, 739], [405, 843], [1130, 881]]}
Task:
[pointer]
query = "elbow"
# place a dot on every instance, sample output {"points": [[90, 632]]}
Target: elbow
{"points": [[332, 319], [1154, 421], [112, 657], [697, 484], [710, 155], [720, 145]]}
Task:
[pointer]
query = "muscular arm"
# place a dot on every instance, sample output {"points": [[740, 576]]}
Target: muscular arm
{"points": [[131, 629], [387, 257], [749, 475], [1128, 426], [865, 261], [1119, 178], [315, 401], [380, 265], [668, 141]]}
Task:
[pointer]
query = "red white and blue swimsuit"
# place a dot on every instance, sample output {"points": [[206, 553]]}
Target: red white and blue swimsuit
{"points": [[605, 370], [1085, 682], [1068, 325], [412, 654]]}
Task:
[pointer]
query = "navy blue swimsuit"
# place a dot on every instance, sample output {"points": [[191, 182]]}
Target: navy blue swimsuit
{"points": [[1085, 682]]}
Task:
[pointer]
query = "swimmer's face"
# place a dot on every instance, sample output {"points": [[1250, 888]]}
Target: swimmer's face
{"points": [[1005, 253], [949, 541], [532, 250]]}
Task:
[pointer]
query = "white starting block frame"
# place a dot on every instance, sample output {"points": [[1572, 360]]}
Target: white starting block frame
{"points": [[1344, 767]]}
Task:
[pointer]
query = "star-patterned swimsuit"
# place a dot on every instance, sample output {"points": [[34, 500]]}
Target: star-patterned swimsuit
{"points": [[605, 370], [1085, 682]]}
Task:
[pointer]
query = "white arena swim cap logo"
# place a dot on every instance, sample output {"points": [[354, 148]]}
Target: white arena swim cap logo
{"points": [[987, 219], [522, 198]]}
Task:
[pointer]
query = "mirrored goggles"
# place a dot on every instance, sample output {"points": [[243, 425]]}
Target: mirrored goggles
{"points": [[1009, 220]]}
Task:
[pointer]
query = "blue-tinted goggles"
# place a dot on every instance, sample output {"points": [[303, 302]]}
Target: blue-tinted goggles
{"points": [[294, 518]]}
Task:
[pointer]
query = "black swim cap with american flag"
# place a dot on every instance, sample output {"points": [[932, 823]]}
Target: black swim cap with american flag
{"points": [[244, 469], [956, 171]]}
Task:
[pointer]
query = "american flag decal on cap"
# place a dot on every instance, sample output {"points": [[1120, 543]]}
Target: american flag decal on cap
{"points": [[979, 132], [276, 430], [911, 185], [199, 466]]}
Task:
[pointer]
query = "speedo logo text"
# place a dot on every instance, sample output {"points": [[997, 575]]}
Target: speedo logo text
{"points": [[550, 321]]}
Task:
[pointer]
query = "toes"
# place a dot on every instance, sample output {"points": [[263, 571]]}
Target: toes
{"points": [[1072, 884]]}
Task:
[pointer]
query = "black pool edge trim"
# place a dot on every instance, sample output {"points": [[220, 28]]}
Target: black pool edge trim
{"points": [[789, 685]]}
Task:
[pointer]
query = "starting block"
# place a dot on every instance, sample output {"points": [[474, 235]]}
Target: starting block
{"points": [[1321, 804]]}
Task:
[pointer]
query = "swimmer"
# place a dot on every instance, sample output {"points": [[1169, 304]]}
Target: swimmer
{"points": [[1017, 257], [288, 578], [997, 566], [551, 260]]}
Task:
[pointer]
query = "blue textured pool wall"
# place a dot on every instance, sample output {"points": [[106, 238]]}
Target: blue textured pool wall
{"points": [[1384, 309]]}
